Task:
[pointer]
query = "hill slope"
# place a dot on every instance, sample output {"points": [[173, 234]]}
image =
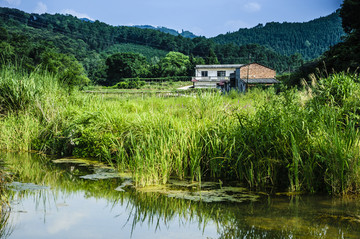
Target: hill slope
{"points": [[310, 39], [28, 35]]}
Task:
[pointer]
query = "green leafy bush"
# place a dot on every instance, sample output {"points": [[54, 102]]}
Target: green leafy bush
{"points": [[130, 84]]}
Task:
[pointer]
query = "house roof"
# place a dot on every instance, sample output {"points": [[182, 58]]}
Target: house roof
{"points": [[257, 64], [228, 66], [261, 81], [219, 66]]}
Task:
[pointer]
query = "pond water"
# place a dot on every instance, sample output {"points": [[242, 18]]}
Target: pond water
{"points": [[83, 199]]}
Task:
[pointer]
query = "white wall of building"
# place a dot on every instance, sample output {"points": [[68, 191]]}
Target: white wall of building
{"points": [[212, 72]]}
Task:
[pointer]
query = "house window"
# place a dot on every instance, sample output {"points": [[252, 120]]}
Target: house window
{"points": [[204, 73], [221, 73]]}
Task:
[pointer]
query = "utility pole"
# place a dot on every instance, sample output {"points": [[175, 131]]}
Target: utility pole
{"points": [[247, 81]]}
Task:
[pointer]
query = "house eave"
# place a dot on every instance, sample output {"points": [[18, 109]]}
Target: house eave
{"points": [[228, 66]]}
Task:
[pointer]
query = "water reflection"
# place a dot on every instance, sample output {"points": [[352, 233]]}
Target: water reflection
{"points": [[79, 207], [5, 228]]}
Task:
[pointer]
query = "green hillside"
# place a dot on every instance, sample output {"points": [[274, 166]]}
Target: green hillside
{"points": [[310, 39], [34, 39]]}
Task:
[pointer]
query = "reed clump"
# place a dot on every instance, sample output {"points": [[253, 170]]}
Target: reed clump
{"points": [[296, 140]]}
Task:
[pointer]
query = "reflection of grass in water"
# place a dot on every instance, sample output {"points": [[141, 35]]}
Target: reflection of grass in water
{"points": [[41, 171], [266, 219], [154, 208], [5, 229]]}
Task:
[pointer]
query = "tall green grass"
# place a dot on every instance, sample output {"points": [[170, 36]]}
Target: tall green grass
{"points": [[28, 102], [294, 140]]}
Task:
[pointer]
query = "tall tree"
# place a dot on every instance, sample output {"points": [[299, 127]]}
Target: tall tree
{"points": [[211, 59], [174, 64], [70, 72], [125, 65], [349, 13]]}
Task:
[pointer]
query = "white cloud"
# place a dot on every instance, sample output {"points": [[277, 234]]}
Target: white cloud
{"points": [[40, 8], [76, 14], [65, 222], [252, 7], [13, 2]]}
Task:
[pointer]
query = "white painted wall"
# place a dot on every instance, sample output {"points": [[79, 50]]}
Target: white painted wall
{"points": [[213, 72]]}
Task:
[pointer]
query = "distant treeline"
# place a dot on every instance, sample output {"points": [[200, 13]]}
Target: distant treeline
{"points": [[31, 36]]}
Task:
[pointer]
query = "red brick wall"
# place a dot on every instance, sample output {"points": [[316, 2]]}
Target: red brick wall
{"points": [[256, 71]]}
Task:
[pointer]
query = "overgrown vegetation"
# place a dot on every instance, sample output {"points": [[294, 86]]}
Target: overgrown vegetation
{"points": [[297, 140]]}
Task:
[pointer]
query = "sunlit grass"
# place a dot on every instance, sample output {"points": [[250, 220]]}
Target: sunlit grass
{"points": [[294, 140]]}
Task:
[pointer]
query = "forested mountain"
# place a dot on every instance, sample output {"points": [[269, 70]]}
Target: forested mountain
{"points": [[310, 39], [55, 40], [344, 56], [173, 32]]}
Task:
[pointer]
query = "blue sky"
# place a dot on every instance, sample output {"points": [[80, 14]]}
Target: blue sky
{"points": [[202, 17]]}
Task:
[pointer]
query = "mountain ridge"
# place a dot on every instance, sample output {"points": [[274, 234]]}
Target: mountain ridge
{"points": [[310, 39], [173, 32]]}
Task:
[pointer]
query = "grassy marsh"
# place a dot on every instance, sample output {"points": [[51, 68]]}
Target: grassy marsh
{"points": [[295, 140]]}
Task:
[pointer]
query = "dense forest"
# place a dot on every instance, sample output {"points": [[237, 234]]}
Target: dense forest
{"points": [[69, 46], [343, 56], [310, 39]]}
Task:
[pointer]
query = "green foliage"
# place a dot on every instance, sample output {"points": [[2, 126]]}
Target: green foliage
{"points": [[212, 58], [17, 90], [93, 42], [291, 140], [336, 90], [173, 32], [70, 72], [344, 56], [174, 64], [148, 52], [232, 54], [129, 84], [309, 39], [349, 14], [125, 65]]}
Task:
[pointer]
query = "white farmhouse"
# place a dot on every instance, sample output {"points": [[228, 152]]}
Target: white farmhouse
{"points": [[207, 76], [236, 76]]}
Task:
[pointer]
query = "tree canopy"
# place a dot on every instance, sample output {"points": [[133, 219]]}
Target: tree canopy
{"points": [[344, 56], [310, 39], [349, 13], [174, 64], [125, 65]]}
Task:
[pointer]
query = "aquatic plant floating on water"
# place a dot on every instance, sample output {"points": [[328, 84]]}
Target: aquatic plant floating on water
{"points": [[206, 192], [17, 186]]}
